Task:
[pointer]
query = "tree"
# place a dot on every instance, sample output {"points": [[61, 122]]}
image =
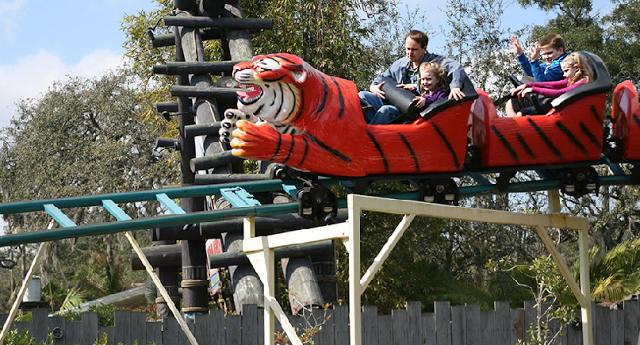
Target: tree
{"points": [[553, 301], [142, 57], [477, 40], [615, 274], [622, 41], [83, 136], [337, 36], [574, 22]]}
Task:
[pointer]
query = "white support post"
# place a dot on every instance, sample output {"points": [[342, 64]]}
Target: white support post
{"points": [[249, 227], [585, 285], [259, 251], [353, 247], [263, 263], [554, 201]]}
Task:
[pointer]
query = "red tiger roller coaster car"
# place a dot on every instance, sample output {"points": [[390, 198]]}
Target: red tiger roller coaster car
{"points": [[330, 134], [568, 138], [570, 132]]}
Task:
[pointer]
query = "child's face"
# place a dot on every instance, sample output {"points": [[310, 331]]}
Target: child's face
{"points": [[549, 53], [569, 70], [428, 81]]}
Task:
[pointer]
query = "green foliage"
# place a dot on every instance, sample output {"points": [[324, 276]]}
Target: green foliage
{"points": [[338, 37], [24, 338], [622, 41], [88, 140], [81, 137], [74, 299], [142, 56], [553, 300], [615, 274], [102, 340], [137, 46]]}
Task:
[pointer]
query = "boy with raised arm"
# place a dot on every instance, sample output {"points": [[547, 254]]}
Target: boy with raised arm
{"points": [[551, 48]]}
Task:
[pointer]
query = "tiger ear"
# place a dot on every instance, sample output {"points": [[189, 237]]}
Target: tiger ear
{"points": [[299, 75]]}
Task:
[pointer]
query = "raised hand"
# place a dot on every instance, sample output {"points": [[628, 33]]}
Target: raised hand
{"points": [[515, 44], [534, 52]]}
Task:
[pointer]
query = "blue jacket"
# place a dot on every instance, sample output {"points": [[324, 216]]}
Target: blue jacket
{"points": [[539, 70], [398, 71]]}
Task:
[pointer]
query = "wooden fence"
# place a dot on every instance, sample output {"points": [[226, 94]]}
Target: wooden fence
{"points": [[448, 325]]}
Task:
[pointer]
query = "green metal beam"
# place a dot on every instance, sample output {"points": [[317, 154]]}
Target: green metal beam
{"points": [[209, 216], [173, 193], [144, 223]]}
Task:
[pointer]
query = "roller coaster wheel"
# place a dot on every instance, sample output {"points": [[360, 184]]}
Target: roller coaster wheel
{"points": [[580, 181], [317, 202], [283, 172], [441, 191], [277, 171]]}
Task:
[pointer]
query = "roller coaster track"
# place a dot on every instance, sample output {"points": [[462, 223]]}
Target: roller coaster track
{"points": [[292, 187]]}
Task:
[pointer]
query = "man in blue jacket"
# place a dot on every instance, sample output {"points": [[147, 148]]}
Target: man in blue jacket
{"points": [[406, 71]]}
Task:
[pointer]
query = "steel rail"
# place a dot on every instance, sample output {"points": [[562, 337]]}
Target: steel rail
{"points": [[217, 215]]}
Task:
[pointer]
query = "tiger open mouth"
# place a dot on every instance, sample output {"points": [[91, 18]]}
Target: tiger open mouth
{"points": [[250, 94]]}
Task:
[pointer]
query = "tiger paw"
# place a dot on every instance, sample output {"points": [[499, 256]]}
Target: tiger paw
{"points": [[228, 124], [258, 141]]}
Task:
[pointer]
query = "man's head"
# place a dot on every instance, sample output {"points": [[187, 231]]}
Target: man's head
{"points": [[415, 45], [551, 47]]}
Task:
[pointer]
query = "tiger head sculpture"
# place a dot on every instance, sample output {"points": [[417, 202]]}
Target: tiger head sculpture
{"points": [[271, 87]]}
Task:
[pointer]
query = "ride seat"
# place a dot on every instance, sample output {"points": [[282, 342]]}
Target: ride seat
{"points": [[600, 84], [411, 114]]}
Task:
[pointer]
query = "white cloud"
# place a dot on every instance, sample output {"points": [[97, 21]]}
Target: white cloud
{"points": [[97, 63], [32, 75]]}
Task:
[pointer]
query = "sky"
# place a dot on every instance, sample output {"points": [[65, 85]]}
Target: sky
{"points": [[42, 41]]}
